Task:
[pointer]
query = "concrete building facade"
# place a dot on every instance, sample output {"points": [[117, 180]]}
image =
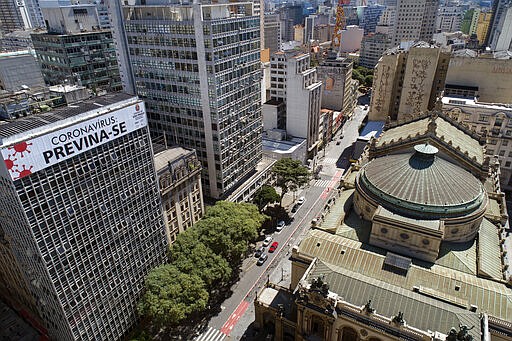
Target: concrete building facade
{"points": [[179, 176], [272, 28], [449, 18], [351, 38], [493, 122], [81, 222], [295, 83], [373, 47], [502, 34], [415, 20], [75, 49], [489, 74], [482, 26], [198, 69], [499, 7], [336, 77], [407, 82]]}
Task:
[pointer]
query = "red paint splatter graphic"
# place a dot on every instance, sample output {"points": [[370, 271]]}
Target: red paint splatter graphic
{"points": [[24, 172], [21, 148], [10, 163]]}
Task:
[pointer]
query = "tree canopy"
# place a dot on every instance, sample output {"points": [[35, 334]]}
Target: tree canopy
{"points": [[171, 295], [290, 175], [264, 196], [202, 258], [191, 256]]}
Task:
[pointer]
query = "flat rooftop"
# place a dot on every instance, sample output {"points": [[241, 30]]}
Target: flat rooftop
{"points": [[71, 114], [474, 103], [162, 158]]}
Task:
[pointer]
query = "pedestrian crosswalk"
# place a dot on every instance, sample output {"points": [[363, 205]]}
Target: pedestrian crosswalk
{"points": [[325, 183], [329, 161], [211, 334]]}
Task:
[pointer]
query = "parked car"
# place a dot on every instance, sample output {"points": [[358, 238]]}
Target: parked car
{"points": [[259, 252], [273, 247], [295, 208], [262, 259], [267, 241], [280, 225], [301, 200]]}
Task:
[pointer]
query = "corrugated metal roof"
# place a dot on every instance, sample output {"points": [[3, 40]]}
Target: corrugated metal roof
{"points": [[489, 253], [489, 296], [419, 311], [444, 129], [58, 114]]}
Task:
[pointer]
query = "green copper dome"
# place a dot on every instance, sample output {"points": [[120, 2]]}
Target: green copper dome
{"points": [[422, 185]]}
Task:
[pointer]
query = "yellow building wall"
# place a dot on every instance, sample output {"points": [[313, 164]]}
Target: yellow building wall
{"points": [[482, 26]]}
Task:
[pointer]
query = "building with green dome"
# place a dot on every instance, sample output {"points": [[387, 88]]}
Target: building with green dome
{"points": [[410, 248]]}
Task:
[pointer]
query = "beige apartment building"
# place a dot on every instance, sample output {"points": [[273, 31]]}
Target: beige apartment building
{"points": [[179, 176], [494, 121], [408, 81]]}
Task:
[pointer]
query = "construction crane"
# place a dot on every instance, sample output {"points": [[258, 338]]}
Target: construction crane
{"points": [[341, 21]]}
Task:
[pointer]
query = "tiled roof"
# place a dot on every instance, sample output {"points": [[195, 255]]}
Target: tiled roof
{"points": [[422, 185], [489, 253], [489, 296], [445, 132], [419, 311]]}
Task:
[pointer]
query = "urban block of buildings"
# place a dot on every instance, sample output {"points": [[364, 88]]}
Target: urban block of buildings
{"points": [[408, 249], [408, 81], [77, 50], [81, 220], [197, 67]]}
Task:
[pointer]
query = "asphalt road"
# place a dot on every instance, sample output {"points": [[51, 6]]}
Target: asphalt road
{"points": [[236, 314]]}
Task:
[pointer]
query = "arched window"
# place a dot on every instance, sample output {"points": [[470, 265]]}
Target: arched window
{"points": [[349, 334]]}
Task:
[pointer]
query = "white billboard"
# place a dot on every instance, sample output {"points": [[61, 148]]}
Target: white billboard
{"points": [[27, 157]]}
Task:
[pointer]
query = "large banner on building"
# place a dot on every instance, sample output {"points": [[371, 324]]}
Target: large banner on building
{"points": [[27, 157]]}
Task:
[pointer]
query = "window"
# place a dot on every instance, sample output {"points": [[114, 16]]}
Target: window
{"points": [[501, 153], [507, 164], [404, 236], [504, 143], [483, 118]]}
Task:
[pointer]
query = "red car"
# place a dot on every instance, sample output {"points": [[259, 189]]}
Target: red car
{"points": [[273, 247]]}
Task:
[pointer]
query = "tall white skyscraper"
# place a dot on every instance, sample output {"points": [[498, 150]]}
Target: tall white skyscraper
{"points": [[197, 66], [415, 20], [81, 222]]}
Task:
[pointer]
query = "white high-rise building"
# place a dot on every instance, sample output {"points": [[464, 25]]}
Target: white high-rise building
{"points": [[197, 66], [502, 37], [415, 20], [295, 83], [81, 221]]}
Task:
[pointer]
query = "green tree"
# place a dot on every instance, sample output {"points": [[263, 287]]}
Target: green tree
{"points": [[172, 296], [290, 175], [228, 228], [191, 256], [265, 195], [368, 81]]}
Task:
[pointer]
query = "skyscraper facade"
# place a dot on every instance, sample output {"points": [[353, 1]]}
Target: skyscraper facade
{"points": [[10, 16], [499, 7], [415, 20], [81, 222], [76, 49], [20, 14], [198, 68]]}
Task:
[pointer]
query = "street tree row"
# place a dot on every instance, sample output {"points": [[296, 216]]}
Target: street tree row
{"points": [[202, 260]]}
